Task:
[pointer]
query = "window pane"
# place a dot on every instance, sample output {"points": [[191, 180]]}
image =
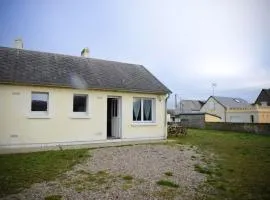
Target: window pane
{"points": [[79, 103], [136, 109], [147, 110], [39, 101]]}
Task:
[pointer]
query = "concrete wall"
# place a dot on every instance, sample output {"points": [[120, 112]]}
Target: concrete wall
{"points": [[20, 127], [258, 128], [213, 107], [192, 121], [197, 120]]}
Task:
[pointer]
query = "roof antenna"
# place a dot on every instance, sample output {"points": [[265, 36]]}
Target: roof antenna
{"points": [[18, 43], [213, 88]]}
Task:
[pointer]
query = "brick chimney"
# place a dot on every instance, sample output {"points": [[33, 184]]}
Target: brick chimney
{"points": [[85, 52], [18, 43]]}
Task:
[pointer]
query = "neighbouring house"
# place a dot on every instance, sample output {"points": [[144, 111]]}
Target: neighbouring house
{"points": [[236, 110], [185, 106], [264, 98], [190, 106], [49, 99], [196, 120], [251, 114], [219, 106]]}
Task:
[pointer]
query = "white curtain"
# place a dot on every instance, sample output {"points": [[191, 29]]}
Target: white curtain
{"points": [[136, 108], [147, 104]]}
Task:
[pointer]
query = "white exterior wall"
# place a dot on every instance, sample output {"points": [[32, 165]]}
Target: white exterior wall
{"points": [[19, 128], [213, 107], [242, 117], [264, 114], [211, 118]]}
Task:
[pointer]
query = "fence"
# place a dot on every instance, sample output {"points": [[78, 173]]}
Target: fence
{"points": [[258, 128]]}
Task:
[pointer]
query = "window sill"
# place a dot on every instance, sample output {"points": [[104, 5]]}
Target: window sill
{"points": [[143, 124], [38, 116], [79, 116]]}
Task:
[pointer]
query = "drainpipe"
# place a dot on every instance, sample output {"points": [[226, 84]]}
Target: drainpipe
{"points": [[165, 119]]}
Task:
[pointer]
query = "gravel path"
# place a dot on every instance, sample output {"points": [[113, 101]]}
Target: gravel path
{"points": [[129, 172]]}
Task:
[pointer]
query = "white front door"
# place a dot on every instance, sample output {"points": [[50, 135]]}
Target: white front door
{"points": [[115, 118]]}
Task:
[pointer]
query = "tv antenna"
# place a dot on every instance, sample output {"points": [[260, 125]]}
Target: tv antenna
{"points": [[213, 88]]}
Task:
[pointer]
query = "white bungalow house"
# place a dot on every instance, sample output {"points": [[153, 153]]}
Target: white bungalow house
{"points": [[49, 99]]}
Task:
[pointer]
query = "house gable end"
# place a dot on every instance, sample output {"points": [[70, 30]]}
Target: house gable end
{"points": [[264, 96]]}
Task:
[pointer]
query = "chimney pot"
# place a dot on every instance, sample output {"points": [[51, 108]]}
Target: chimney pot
{"points": [[18, 43], [85, 52]]}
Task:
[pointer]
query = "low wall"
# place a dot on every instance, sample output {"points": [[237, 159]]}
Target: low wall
{"points": [[191, 121], [258, 128]]}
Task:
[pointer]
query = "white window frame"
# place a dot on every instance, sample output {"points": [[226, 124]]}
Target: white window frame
{"points": [[40, 114], [81, 115], [153, 111]]}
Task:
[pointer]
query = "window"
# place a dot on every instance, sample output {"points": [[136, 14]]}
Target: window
{"points": [[143, 109], [79, 103], [39, 101], [237, 100]]}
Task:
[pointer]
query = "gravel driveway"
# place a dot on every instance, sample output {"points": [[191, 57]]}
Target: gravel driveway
{"points": [[128, 172]]}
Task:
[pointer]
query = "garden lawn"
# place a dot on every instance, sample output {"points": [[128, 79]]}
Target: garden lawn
{"points": [[242, 163], [19, 171]]}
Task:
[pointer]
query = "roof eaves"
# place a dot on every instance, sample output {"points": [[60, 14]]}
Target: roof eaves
{"points": [[100, 89], [168, 90]]}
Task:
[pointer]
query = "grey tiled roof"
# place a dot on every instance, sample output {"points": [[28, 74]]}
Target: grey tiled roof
{"points": [[24, 67], [230, 102], [171, 112], [187, 106], [197, 113], [264, 96], [267, 91]]}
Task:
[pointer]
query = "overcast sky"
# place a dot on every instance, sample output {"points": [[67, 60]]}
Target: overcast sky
{"points": [[188, 44]]}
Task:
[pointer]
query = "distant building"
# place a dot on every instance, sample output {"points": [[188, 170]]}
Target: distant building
{"points": [[190, 106], [236, 110], [188, 112], [196, 120], [220, 105], [264, 98]]}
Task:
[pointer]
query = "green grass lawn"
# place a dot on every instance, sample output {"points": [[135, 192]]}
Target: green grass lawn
{"points": [[240, 168], [242, 163], [18, 171]]}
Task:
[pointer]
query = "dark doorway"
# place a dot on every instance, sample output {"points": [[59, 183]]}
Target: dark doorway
{"points": [[113, 118], [252, 118]]}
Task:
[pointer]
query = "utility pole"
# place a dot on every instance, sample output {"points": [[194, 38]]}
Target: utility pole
{"points": [[180, 105], [175, 101]]}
